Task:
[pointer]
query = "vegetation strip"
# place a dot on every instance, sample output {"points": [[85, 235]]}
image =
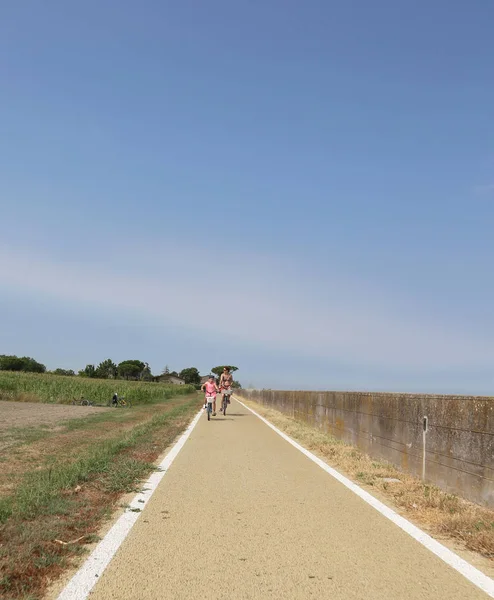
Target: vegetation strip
{"points": [[81, 584], [32, 387], [57, 509]]}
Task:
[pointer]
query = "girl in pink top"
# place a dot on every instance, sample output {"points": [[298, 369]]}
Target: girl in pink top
{"points": [[211, 390]]}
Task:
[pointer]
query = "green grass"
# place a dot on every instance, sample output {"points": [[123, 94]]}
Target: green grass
{"points": [[68, 501], [62, 390], [114, 416], [39, 492], [19, 436]]}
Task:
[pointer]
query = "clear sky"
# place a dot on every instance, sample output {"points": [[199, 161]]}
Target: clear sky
{"points": [[304, 189]]}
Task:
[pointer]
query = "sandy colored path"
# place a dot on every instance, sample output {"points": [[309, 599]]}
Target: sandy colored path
{"points": [[242, 514]]}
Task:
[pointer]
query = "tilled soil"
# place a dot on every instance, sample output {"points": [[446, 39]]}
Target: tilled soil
{"points": [[29, 414]]}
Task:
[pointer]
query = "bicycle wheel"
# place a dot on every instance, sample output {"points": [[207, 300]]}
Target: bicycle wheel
{"points": [[84, 402], [224, 407], [209, 411]]}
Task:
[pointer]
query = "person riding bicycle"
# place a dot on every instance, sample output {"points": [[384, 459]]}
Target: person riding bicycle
{"points": [[226, 382], [211, 390]]}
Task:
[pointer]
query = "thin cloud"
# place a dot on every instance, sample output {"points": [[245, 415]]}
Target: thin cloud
{"points": [[255, 302]]}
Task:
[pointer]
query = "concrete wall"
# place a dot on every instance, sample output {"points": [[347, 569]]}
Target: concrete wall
{"points": [[459, 441]]}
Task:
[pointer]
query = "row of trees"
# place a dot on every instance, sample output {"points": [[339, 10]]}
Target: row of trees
{"points": [[192, 376], [128, 369], [20, 363]]}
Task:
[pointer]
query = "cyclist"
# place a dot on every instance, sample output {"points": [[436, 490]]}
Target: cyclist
{"points": [[211, 390], [226, 382]]}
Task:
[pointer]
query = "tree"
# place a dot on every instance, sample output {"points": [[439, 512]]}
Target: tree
{"points": [[10, 363], [130, 369], [32, 366], [219, 370], [190, 375], [65, 372], [88, 371], [127, 370], [106, 370], [24, 363], [236, 385], [167, 373]]}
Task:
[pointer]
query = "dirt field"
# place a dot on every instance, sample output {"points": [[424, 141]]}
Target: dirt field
{"points": [[32, 414]]}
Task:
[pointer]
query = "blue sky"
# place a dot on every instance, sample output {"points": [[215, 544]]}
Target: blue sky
{"points": [[303, 189]]}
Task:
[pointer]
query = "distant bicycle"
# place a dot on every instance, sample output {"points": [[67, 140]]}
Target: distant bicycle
{"points": [[82, 402], [117, 401], [227, 392]]}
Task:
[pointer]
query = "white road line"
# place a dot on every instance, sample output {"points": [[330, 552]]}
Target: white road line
{"points": [[87, 576], [475, 576]]}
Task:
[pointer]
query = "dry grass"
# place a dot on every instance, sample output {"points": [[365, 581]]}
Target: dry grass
{"points": [[67, 500], [441, 513], [26, 448]]}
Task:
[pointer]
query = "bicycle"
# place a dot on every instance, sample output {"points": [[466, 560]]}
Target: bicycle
{"points": [[209, 406], [226, 400], [82, 402], [117, 401]]}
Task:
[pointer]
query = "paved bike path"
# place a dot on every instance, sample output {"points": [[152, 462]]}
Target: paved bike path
{"points": [[241, 514]]}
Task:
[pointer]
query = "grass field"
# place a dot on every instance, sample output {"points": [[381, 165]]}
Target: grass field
{"points": [[32, 387], [60, 480]]}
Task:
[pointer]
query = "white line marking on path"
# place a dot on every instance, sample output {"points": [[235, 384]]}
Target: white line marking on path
{"points": [[473, 575], [87, 576]]}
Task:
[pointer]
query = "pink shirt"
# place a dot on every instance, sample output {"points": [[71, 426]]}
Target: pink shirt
{"points": [[210, 389]]}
